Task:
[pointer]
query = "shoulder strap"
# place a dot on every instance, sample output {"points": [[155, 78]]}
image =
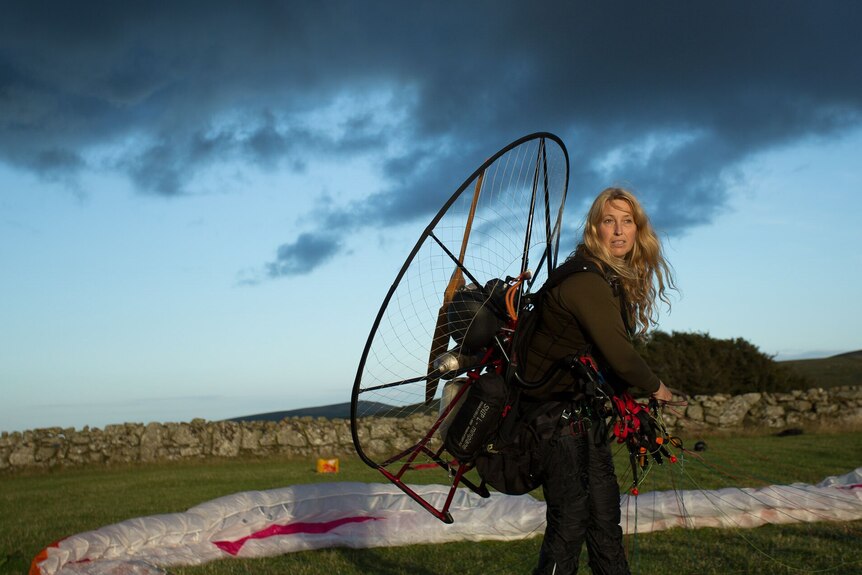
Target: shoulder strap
{"points": [[575, 265], [567, 268]]}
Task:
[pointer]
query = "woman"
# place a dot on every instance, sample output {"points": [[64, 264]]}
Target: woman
{"points": [[597, 314]]}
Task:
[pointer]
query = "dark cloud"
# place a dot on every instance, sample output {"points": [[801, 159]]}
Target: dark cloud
{"points": [[306, 253], [669, 98]]}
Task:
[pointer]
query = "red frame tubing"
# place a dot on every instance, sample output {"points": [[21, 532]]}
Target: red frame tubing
{"points": [[421, 447]]}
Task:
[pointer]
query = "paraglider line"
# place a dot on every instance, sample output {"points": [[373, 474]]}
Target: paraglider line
{"points": [[395, 383], [739, 533], [778, 496]]}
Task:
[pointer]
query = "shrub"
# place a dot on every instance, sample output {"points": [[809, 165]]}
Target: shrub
{"points": [[696, 363]]}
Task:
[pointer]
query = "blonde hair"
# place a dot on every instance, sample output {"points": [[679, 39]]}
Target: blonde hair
{"points": [[643, 273]]}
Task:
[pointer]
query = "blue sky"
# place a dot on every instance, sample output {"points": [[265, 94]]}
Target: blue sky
{"points": [[203, 204]]}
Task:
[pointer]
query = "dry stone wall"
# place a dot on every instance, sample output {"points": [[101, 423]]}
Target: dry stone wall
{"points": [[306, 437]]}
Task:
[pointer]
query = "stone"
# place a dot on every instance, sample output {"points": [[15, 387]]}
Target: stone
{"points": [[733, 412], [45, 453], [269, 437], [793, 419], [151, 442], [384, 427], [826, 408], [250, 439], [320, 436], [843, 393], [800, 405], [292, 435], [183, 435], [227, 436], [768, 415], [191, 451], [9, 439], [23, 456], [852, 416], [694, 412], [81, 438], [713, 402]]}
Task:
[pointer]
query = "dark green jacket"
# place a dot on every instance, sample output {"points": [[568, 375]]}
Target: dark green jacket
{"points": [[583, 313]]}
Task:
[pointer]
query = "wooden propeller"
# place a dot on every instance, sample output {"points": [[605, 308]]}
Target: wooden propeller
{"points": [[440, 341]]}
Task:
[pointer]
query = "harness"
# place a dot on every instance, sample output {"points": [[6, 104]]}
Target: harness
{"points": [[616, 414], [530, 319], [499, 429]]}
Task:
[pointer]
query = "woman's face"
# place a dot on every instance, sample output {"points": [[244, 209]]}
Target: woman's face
{"points": [[617, 228]]}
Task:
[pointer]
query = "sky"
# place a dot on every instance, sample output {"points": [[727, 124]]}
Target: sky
{"points": [[202, 204]]}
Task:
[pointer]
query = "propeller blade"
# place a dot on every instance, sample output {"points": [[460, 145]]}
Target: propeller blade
{"points": [[440, 341]]}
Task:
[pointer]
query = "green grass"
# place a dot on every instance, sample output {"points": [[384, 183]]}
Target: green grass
{"points": [[39, 507]]}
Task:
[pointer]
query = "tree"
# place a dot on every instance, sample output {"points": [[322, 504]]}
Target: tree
{"points": [[696, 363]]}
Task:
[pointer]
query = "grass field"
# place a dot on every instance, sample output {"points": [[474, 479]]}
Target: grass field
{"points": [[39, 507]]}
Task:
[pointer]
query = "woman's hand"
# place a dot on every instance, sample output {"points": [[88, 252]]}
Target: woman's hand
{"points": [[662, 394]]}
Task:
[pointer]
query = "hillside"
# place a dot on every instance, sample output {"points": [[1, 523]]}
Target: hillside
{"points": [[335, 411], [338, 411], [826, 372]]}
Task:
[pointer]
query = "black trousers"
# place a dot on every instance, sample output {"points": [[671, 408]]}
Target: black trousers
{"points": [[583, 502]]}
